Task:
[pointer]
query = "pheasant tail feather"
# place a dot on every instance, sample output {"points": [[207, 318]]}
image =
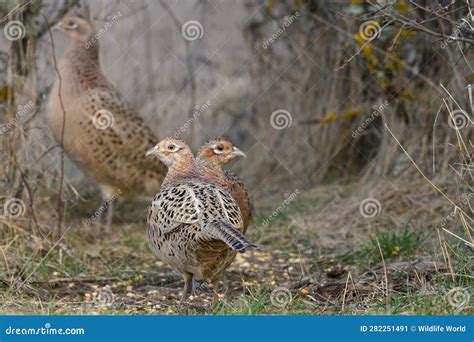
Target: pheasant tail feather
{"points": [[230, 235]]}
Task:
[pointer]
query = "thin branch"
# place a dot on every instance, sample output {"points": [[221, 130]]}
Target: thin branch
{"points": [[59, 15], [347, 61], [394, 41], [470, 244], [189, 60], [63, 127], [28, 190], [375, 47], [412, 23], [421, 172]]}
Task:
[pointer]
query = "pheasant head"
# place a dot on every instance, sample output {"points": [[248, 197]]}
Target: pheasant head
{"points": [[219, 151], [173, 153], [77, 28]]}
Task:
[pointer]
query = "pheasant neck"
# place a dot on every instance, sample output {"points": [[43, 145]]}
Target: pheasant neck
{"points": [[81, 65], [178, 172], [210, 171]]}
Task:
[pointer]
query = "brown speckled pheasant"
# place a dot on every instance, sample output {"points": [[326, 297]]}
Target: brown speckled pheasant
{"points": [[214, 155], [101, 133], [194, 226]]}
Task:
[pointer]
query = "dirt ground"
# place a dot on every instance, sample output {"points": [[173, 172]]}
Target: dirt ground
{"points": [[307, 265]]}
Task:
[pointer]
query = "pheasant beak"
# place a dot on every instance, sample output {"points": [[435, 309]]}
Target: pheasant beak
{"points": [[56, 27], [238, 153], [152, 151]]}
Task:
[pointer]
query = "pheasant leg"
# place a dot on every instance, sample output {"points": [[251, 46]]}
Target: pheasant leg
{"points": [[215, 290], [188, 284], [225, 280], [108, 222]]}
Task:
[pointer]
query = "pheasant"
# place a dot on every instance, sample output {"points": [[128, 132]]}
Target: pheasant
{"points": [[213, 156], [194, 226], [96, 129]]}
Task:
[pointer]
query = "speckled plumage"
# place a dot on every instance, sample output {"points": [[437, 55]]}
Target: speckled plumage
{"points": [[193, 225], [211, 170], [113, 154]]}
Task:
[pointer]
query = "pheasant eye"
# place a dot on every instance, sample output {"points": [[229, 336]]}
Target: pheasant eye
{"points": [[218, 149], [171, 147], [71, 25]]}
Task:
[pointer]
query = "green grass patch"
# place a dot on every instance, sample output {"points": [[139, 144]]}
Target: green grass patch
{"points": [[390, 245]]}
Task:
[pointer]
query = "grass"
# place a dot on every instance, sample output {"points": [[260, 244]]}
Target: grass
{"points": [[390, 245], [244, 305], [344, 279]]}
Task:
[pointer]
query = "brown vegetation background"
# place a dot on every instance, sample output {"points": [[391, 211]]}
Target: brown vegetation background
{"points": [[401, 83]]}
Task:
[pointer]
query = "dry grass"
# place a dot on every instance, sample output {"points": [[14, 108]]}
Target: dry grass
{"points": [[332, 260], [328, 268]]}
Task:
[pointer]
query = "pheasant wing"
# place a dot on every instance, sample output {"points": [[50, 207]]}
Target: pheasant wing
{"points": [[130, 134], [174, 206]]}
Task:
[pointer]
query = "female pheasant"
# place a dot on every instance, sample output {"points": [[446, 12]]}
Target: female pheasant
{"points": [[212, 157], [194, 226], [96, 128]]}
